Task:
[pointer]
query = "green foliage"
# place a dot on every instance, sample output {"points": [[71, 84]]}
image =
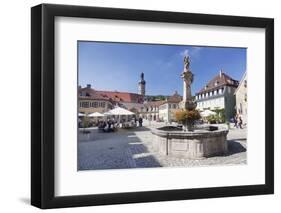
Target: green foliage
{"points": [[86, 122], [212, 119], [219, 117], [156, 98]]}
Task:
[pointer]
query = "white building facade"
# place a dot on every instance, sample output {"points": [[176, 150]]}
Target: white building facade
{"points": [[241, 99], [218, 94], [168, 109]]}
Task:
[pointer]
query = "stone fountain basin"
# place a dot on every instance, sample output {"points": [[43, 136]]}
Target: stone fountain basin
{"points": [[204, 141]]}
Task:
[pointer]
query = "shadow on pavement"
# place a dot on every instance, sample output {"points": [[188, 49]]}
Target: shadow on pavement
{"points": [[123, 149], [142, 156], [137, 129], [235, 147]]}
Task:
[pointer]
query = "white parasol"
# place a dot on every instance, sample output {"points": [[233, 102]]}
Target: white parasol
{"points": [[96, 114], [207, 113], [120, 111]]}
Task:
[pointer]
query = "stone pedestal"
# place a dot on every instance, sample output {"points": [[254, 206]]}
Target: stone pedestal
{"points": [[192, 145]]}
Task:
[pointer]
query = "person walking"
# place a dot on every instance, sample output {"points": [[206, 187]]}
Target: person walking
{"points": [[136, 121], [240, 122], [140, 121], [235, 121]]}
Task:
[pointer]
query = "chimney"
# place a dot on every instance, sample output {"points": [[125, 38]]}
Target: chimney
{"points": [[89, 86], [221, 72]]}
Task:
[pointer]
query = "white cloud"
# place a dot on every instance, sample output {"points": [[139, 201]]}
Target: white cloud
{"points": [[185, 53], [192, 52]]}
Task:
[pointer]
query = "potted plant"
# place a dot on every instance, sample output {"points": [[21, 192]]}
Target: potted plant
{"points": [[187, 118]]}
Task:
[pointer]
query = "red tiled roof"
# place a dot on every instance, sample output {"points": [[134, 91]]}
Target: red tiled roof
{"points": [[175, 98], [122, 96], [219, 81], [154, 103], [112, 95], [89, 93]]}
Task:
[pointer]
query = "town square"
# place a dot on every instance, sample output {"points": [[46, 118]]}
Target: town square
{"points": [[148, 128], [133, 149]]}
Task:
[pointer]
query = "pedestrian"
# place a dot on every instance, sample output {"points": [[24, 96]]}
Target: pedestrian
{"points": [[236, 121], [136, 120], [240, 122], [140, 121]]}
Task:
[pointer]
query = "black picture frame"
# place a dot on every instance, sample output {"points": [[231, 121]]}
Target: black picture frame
{"points": [[43, 105]]}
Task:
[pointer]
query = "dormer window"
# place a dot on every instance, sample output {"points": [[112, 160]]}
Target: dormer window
{"points": [[206, 87], [216, 83]]}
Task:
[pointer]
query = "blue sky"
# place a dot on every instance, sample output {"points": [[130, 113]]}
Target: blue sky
{"points": [[117, 66]]}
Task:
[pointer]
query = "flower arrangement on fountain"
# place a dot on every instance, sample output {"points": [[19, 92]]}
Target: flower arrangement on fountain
{"points": [[187, 118]]}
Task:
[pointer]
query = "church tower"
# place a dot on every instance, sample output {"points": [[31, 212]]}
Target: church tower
{"points": [[142, 85]]}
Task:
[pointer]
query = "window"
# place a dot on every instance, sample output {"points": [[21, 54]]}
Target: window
{"points": [[85, 104], [94, 105]]}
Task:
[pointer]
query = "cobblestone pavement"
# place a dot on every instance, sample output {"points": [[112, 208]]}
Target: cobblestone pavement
{"points": [[133, 149]]}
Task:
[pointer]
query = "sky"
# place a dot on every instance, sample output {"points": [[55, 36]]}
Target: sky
{"points": [[117, 66]]}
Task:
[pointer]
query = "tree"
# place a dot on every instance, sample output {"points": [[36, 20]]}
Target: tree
{"points": [[86, 123], [219, 117]]}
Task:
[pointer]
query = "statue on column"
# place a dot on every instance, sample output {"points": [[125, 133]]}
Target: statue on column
{"points": [[187, 75], [186, 63]]}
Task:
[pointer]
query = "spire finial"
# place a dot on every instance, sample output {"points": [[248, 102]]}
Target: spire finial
{"points": [[142, 76], [221, 72]]}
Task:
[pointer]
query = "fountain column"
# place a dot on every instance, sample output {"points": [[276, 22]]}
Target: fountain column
{"points": [[203, 142], [187, 76]]}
